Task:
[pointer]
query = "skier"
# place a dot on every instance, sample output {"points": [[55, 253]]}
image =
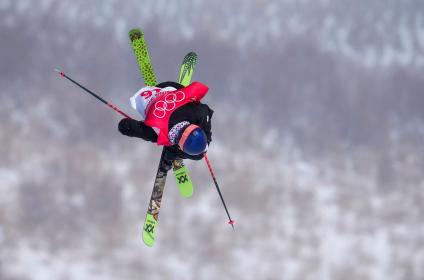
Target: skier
{"points": [[173, 117]]}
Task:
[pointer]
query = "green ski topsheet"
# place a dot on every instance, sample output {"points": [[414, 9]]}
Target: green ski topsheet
{"points": [[140, 50], [182, 178]]}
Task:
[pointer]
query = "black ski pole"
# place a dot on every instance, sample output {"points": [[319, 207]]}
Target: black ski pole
{"points": [[116, 109], [230, 221]]}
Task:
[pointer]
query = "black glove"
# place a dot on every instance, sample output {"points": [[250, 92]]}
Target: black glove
{"points": [[126, 126], [134, 128]]}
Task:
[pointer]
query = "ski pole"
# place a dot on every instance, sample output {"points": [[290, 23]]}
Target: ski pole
{"points": [[93, 94], [230, 221]]}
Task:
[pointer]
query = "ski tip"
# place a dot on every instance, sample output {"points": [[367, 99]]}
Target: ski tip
{"points": [[60, 72], [135, 34]]}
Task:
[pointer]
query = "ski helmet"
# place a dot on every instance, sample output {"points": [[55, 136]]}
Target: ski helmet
{"points": [[193, 140]]}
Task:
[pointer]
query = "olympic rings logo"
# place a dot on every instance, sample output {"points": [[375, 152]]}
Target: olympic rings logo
{"points": [[168, 103]]}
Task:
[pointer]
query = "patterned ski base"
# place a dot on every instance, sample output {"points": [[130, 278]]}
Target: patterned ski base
{"points": [[184, 183], [152, 215], [140, 50], [187, 68]]}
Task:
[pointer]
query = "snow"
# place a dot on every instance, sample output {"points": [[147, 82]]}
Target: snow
{"points": [[74, 192], [41, 265], [10, 180]]}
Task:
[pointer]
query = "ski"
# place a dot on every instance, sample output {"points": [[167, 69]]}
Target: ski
{"points": [[187, 68], [149, 227], [146, 69], [140, 50], [182, 177]]}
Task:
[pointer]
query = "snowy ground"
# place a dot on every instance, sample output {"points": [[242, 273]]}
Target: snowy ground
{"points": [[295, 220], [317, 141]]}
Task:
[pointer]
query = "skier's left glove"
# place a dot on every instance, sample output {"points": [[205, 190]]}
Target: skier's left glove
{"points": [[126, 126], [134, 128]]}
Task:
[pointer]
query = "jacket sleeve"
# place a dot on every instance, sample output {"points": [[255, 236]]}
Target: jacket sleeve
{"points": [[204, 116], [134, 128]]}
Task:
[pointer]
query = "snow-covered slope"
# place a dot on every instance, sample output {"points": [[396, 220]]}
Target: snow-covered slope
{"points": [[372, 33], [317, 141]]}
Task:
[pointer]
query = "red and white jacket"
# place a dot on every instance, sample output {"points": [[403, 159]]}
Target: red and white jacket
{"points": [[156, 105]]}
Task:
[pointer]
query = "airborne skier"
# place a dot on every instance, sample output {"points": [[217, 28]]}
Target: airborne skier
{"points": [[172, 116]]}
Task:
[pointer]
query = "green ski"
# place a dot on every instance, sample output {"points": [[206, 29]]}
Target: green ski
{"points": [[187, 68], [140, 50], [182, 177]]}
